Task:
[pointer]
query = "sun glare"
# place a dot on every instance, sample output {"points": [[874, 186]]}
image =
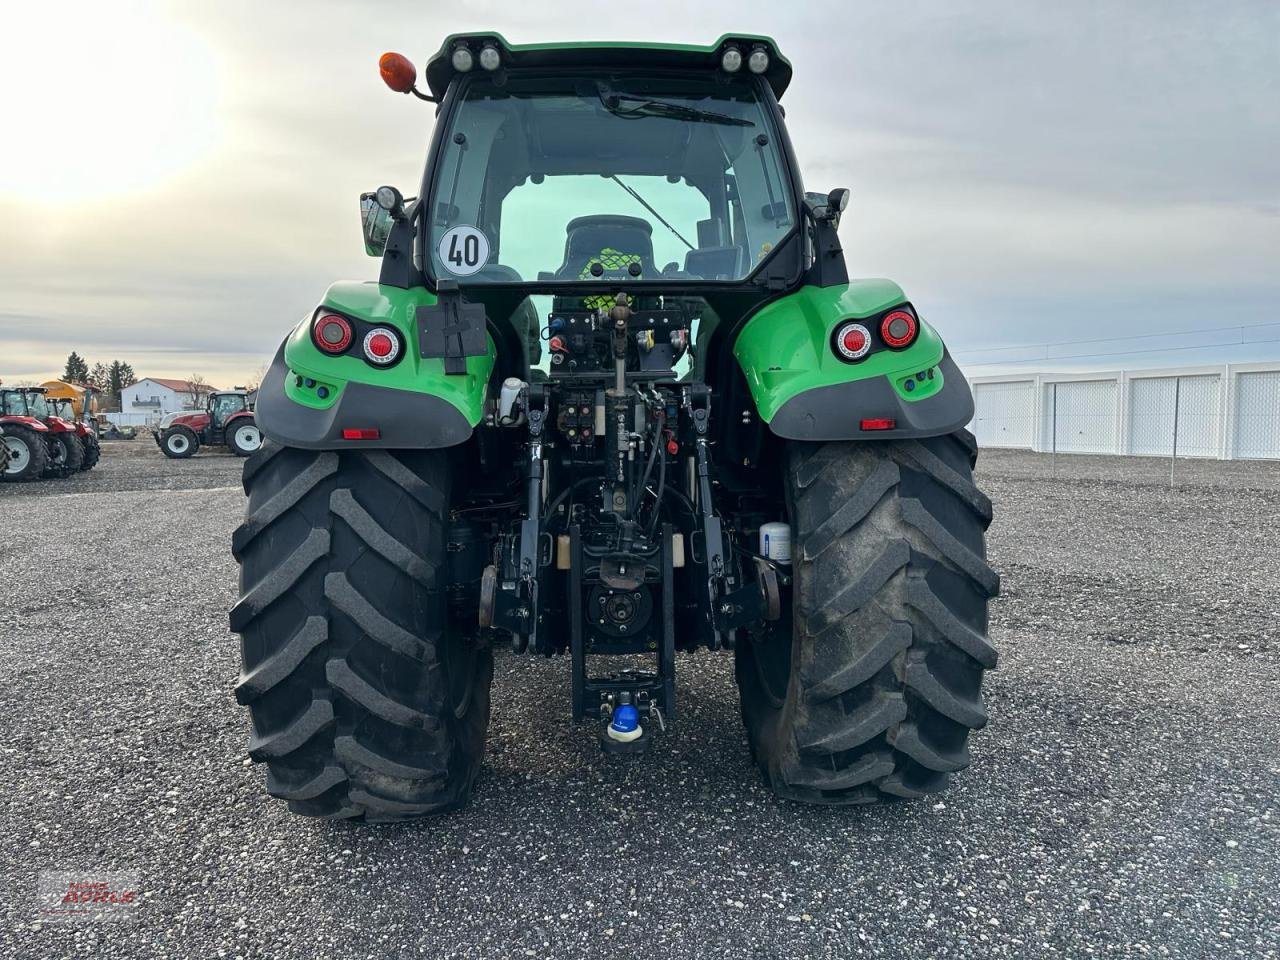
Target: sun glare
{"points": [[101, 100]]}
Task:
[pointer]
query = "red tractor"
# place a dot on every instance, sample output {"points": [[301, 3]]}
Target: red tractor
{"points": [[25, 453], [64, 409], [227, 419], [40, 443]]}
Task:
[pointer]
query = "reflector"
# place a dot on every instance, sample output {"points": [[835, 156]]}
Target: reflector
{"points": [[879, 423]]}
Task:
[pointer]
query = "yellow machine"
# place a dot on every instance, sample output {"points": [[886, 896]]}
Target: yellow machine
{"points": [[76, 393]]}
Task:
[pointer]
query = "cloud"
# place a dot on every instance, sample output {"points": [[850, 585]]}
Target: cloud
{"points": [[1019, 168]]}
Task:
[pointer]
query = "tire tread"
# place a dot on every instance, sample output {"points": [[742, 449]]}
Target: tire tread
{"points": [[891, 588], [342, 628]]}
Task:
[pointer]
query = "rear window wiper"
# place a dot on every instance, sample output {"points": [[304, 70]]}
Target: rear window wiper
{"points": [[647, 107]]}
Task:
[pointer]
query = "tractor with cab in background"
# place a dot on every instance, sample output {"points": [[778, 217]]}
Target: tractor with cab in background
{"points": [[227, 419]]}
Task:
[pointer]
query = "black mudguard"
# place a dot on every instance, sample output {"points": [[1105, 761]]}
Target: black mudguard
{"points": [[404, 420], [836, 412]]}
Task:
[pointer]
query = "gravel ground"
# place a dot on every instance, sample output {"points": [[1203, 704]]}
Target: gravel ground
{"points": [[138, 465], [1123, 801]]}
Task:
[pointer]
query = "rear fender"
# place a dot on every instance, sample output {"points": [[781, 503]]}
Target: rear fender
{"points": [[308, 398], [31, 423], [804, 391]]}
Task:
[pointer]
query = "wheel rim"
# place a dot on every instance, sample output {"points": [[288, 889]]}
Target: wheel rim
{"points": [[57, 454], [248, 438], [177, 443], [19, 455]]}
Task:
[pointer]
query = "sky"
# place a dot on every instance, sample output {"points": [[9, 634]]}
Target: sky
{"points": [[180, 180]]}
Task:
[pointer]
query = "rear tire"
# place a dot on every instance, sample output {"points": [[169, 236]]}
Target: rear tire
{"points": [[366, 702], [92, 452], [179, 443], [870, 688], [66, 454], [244, 438], [28, 454]]}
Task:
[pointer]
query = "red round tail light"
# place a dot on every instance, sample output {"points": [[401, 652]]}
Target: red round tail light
{"points": [[381, 346], [332, 333], [898, 328], [852, 341]]}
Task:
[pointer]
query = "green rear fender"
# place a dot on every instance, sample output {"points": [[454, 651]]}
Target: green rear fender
{"points": [[308, 398], [804, 391]]}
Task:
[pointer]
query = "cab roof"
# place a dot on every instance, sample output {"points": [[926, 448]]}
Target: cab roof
{"points": [[607, 53]]}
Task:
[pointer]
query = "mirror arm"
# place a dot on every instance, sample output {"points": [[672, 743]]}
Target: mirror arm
{"points": [[828, 268], [398, 268]]}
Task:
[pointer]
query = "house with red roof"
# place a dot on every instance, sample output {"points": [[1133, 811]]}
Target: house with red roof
{"points": [[153, 397]]}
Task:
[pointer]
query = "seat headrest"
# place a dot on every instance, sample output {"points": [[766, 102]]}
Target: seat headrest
{"points": [[588, 237], [609, 221]]}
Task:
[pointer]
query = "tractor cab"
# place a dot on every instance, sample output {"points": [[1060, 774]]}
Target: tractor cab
{"points": [[221, 407], [64, 409], [32, 402], [25, 402], [45, 408]]}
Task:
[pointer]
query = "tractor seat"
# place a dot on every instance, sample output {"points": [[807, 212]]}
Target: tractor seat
{"points": [[615, 241]]}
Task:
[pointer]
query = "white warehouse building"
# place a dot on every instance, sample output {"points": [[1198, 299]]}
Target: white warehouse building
{"points": [[1227, 411]]}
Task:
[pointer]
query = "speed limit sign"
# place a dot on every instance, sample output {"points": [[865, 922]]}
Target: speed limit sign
{"points": [[463, 250]]}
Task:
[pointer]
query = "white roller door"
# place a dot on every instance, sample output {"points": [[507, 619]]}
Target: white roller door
{"points": [[1086, 416], [1151, 404], [1257, 413], [1004, 414]]}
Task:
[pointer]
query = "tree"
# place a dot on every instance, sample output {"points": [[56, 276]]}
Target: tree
{"points": [[100, 378], [76, 370], [119, 376], [255, 378], [199, 390]]}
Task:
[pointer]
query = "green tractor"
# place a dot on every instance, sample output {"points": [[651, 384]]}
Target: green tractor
{"points": [[612, 396]]}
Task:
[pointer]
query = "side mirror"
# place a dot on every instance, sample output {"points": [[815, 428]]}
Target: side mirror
{"points": [[376, 222]]}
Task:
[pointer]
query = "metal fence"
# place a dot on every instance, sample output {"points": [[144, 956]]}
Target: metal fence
{"points": [[1223, 412]]}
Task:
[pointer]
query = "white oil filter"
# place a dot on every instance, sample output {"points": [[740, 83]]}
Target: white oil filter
{"points": [[508, 396], [775, 542]]}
